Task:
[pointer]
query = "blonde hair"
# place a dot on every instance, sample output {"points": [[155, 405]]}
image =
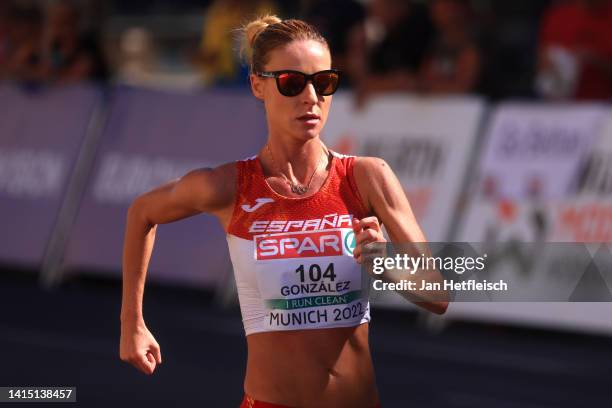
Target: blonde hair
{"points": [[269, 32]]}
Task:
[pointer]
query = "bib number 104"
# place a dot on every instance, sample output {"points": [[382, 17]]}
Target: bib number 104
{"points": [[316, 273]]}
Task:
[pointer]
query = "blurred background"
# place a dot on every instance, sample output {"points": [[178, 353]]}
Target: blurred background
{"points": [[494, 114]]}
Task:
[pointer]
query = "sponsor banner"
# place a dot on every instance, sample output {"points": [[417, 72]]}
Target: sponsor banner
{"points": [[153, 137], [510, 224], [426, 141], [577, 220], [537, 150], [543, 178], [595, 177], [587, 217], [583, 219], [41, 133], [570, 202]]}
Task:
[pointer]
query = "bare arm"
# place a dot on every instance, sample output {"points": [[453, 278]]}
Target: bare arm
{"points": [[199, 191], [385, 197]]}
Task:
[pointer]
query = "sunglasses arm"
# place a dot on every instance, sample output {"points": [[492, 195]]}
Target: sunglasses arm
{"points": [[266, 74]]}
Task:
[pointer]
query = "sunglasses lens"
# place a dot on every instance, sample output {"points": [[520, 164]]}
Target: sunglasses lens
{"points": [[291, 84], [326, 83]]}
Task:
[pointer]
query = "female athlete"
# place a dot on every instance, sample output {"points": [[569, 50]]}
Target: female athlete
{"points": [[291, 214]]}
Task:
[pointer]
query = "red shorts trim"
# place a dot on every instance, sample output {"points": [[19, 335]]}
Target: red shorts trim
{"points": [[249, 402]]}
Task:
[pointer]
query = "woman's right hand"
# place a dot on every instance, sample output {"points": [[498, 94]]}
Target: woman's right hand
{"points": [[138, 347]]}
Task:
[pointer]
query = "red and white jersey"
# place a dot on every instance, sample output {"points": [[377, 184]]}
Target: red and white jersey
{"points": [[293, 257]]}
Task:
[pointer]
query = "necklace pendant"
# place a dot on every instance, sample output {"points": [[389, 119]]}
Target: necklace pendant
{"points": [[298, 189]]}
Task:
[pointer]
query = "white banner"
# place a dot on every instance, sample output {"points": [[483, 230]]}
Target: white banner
{"points": [[537, 150], [545, 176], [426, 141]]}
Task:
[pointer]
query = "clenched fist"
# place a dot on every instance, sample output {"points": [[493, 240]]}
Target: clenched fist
{"points": [[367, 230], [138, 347]]}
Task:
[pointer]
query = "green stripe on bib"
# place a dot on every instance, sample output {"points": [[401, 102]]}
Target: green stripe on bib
{"points": [[313, 301]]}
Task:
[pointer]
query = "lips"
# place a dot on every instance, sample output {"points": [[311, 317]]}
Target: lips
{"points": [[309, 117]]}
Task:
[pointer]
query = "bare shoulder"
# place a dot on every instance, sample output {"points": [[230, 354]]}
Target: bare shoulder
{"points": [[370, 165], [369, 169], [387, 198], [204, 190], [371, 175], [211, 188]]}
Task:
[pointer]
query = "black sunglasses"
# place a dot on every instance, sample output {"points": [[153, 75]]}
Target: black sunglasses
{"points": [[292, 83]]}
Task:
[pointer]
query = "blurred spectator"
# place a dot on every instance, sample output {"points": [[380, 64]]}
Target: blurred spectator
{"points": [[453, 63], [136, 55], [22, 45], [334, 19], [218, 57], [49, 48], [507, 38], [70, 54], [575, 56], [385, 52], [4, 36]]}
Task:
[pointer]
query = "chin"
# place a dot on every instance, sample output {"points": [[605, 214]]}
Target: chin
{"points": [[310, 134], [306, 134]]}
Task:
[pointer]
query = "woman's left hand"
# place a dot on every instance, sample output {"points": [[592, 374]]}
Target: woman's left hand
{"points": [[367, 230]]}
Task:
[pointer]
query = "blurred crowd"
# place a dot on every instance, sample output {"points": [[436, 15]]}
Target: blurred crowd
{"points": [[575, 50], [554, 49], [44, 43], [380, 45]]}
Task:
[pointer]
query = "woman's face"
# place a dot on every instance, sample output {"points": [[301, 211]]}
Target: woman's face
{"points": [[286, 115]]}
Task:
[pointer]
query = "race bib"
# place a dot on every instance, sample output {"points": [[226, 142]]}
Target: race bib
{"points": [[309, 279]]}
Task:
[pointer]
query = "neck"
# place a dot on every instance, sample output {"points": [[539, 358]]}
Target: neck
{"points": [[296, 160]]}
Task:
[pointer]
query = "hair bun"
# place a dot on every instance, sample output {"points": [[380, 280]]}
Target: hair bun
{"points": [[267, 33], [252, 29], [255, 27]]}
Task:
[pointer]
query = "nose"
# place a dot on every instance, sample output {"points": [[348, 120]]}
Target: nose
{"points": [[309, 95]]}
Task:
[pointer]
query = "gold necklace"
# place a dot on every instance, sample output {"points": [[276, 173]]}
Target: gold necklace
{"points": [[296, 188]]}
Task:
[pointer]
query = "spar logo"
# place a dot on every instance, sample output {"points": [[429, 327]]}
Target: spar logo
{"points": [[298, 245], [349, 242]]}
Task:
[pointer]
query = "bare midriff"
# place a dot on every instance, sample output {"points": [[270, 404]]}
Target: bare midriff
{"points": [[312, 368]]}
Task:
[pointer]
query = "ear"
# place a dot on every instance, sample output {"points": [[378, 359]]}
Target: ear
{"points": [[257, 85]]}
